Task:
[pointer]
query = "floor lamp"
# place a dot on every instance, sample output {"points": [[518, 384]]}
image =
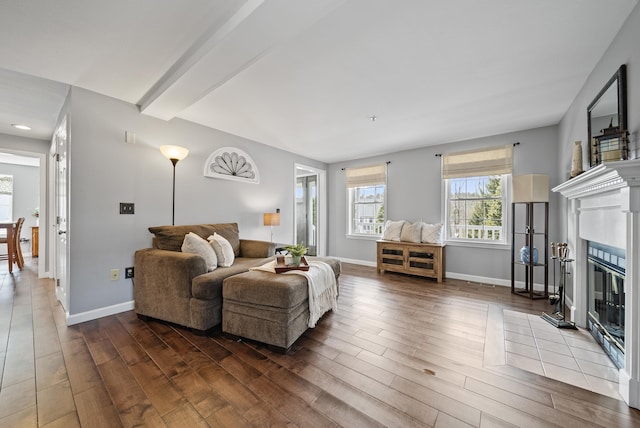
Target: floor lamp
{"points": [[272, 219], [174, 154]]}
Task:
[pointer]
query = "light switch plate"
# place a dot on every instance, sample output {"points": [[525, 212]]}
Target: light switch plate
{"points": [[126, 208]]}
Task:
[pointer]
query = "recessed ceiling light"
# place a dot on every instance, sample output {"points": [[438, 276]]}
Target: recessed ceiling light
{"points": [[23, 127], [373, 118]]}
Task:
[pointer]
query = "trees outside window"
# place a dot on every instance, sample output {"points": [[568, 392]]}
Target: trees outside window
{"points": [[476, 208]]}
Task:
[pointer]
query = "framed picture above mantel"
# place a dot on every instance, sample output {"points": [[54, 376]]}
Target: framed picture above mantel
{"points": [[607, 121]]}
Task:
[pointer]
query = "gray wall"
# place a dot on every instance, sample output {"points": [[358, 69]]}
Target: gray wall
{"points": [[105, 171], [624, 49], [415, 193], [23, 144]]}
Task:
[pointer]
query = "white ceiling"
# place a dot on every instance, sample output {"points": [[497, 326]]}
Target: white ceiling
{"points": [[305, 76]]}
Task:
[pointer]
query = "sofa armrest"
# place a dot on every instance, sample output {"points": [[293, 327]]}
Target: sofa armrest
{"points": [[256, 249], [162, 274]]}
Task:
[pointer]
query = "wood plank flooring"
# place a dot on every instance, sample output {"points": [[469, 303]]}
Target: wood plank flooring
{"points": [[401, 351]]}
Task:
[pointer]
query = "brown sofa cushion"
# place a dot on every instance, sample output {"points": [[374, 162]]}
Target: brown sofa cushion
{"points": [[171, 237], [209, 285]]}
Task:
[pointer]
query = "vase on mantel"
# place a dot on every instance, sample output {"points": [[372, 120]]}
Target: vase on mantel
{"points": [[576, 161]]}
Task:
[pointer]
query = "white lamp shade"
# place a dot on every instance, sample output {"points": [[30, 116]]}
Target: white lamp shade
{"points": [[530, 188], [174, 152]]}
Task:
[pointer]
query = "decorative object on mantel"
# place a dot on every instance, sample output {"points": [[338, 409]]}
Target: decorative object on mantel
{"points": [[231, 163], [576, 160]]}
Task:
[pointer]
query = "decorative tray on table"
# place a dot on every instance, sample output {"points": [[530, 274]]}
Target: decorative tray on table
{"points": [[282, 266]]}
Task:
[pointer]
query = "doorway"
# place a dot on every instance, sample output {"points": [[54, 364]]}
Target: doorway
{"points": [[310, 218], [22, 196]]}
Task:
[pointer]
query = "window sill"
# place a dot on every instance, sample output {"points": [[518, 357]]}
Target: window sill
{"points": [[365, 237], [482, 244]]}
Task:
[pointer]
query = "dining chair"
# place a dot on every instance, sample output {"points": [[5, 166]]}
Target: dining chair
{"points": [[17, 251]]}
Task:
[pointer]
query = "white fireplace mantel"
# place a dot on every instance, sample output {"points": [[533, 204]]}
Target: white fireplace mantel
{"points": [[602, 178], [604, 206]]}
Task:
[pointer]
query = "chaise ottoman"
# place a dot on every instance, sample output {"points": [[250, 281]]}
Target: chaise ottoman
{"points": [[267, 307]]}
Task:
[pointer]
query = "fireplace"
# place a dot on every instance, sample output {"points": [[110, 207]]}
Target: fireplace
{"points": [[603, 232], [606, 299]]}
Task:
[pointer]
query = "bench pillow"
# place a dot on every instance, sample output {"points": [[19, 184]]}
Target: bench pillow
{"points": [[432, 233], [392, 230], [411, 232]]}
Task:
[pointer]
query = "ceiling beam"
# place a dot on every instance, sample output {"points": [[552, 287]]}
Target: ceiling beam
{"points": [[257, 27]]}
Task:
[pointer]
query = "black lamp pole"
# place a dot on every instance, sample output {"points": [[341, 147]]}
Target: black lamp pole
{"points": [[173, 210], [174, 154]]}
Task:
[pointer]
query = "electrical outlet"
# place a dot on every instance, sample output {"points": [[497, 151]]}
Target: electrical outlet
{"points": [[128, 272], [115, 274]]}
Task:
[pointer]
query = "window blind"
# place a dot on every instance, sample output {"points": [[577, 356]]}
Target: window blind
{"points": [[367, 175], [472, 163], [6, 185]]}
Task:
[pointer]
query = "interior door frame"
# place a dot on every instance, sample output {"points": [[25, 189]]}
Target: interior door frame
{"points": [[54, 224], [321, 205], [44, 171]]}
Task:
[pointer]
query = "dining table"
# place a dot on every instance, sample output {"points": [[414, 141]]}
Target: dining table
{"points": [[10, 227]]}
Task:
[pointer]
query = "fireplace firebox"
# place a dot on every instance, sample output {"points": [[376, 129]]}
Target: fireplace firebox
{"points": [[606, 299]]}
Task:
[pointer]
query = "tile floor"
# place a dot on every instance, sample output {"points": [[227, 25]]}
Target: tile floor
{"points": [[570, 356]]}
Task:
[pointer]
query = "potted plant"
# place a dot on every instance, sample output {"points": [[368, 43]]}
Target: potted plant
{"points": [[296, 251]]}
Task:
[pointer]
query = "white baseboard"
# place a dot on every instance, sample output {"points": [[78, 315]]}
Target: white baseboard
{"points": [[461, 276], [479, 279], [99, 313], [358, 262]]}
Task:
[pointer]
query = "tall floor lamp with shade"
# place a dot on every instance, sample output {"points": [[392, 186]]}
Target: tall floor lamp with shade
{"points": [[174, 154]]}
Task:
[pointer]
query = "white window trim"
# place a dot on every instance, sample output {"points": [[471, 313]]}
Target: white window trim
{"points": [[506, 203], [350, 235], [11, 197]]}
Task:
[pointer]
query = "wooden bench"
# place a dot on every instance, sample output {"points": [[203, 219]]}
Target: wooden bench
{"points": [[420, 259]]}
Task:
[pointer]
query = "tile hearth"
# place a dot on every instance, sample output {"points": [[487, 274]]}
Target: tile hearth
{"points": [[569, 356]]}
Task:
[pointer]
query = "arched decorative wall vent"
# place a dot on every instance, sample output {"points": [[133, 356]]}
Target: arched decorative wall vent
{"points": [[230, 163]]}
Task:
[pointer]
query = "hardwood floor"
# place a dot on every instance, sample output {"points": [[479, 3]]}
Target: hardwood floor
{"points": [[401, 351]]}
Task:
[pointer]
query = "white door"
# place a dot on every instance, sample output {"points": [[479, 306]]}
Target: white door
{"points": [[60, 228]]}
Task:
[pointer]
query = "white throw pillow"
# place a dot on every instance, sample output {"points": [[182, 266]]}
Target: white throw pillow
{"points": [[223, 249], [193, 243], [432, 233], [411, 232], [392, 230]]}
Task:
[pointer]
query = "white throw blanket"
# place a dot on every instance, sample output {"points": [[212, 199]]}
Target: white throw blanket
{"points": [[321, 281]]}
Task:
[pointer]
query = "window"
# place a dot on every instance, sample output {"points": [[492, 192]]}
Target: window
{"points": [[6, 197], [476, 208], [366, 188], [476, 194]]}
